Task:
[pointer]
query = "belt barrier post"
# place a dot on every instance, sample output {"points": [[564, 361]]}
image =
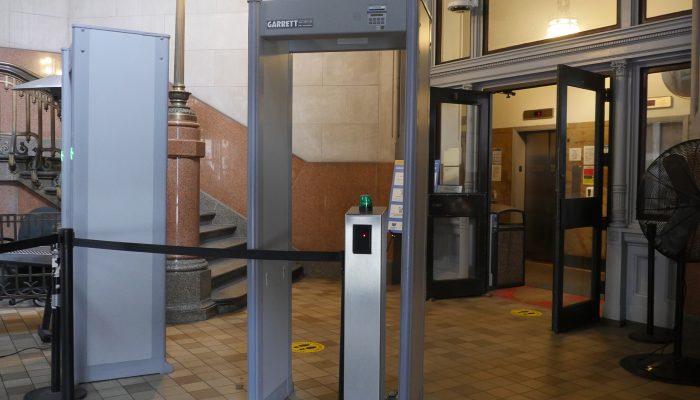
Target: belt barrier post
{"points": [[55, 319], [364, 300], [66, 237]]}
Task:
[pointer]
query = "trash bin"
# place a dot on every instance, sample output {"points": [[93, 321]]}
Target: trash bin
{"points": [[507, 248]]}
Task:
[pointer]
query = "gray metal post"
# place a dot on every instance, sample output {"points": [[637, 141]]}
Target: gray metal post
{"points": [[269, 214], [415, 203], [365, 305]]}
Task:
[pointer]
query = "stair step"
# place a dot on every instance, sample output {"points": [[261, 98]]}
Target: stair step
{"points": [[227, 242], [206, 217], [208, 232], [50, 190], [226, 270], [234, 295]]}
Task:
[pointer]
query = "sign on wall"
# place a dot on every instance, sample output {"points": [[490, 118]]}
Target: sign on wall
{"points": [[396, 200]]}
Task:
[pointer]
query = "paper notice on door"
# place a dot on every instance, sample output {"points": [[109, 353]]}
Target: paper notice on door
{"points": [[575, 154], [588, 155], [496, 173]]}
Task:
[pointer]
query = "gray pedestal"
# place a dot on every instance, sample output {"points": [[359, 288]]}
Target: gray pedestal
{"points": [[188, 291]]}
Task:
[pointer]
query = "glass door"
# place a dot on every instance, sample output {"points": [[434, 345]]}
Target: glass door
{"points": [[579, 192], [458, 203]]}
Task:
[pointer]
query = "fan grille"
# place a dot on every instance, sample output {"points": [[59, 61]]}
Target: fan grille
{"points": [[659, 199]]}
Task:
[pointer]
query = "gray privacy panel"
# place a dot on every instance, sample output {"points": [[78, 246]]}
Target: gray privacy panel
{"points": [[117, 185], [269, 226]]}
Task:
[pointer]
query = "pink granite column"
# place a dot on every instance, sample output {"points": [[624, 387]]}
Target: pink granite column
{"points": [[184, 151], [188, 279]]}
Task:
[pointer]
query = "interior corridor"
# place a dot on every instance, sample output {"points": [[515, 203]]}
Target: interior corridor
{"points": [[475, 349]]}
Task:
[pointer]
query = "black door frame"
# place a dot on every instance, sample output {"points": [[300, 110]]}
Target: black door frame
{"points": [[474, 205], [578, 212]]}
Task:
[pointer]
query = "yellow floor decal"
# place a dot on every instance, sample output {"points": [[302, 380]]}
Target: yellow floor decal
{"points": [[526, 313], [307, 347]]}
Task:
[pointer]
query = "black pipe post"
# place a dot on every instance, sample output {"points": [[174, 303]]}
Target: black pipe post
{"points": [[55, 322], [680, 305], [651, 263], [651, 334], [341, 383], [67, 342]]}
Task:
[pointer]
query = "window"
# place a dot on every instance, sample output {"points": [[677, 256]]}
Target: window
{"points": [[665, 109], [652, 10], [512, 24], [454, 34]]}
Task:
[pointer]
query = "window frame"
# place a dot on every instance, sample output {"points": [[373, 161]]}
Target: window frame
{"points": [[643, 11], [642, 122], [438, 35], [485, 46]]}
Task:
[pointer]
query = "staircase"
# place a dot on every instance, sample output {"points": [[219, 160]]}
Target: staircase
{"points": [[44, 184], [228, 276], [29, 135], [30, 156]]}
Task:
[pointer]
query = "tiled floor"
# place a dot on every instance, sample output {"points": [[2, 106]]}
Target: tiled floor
{"points": [[475, 349]]}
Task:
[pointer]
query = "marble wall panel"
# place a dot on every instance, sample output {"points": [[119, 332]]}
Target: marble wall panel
{"points": [[351, 69]]}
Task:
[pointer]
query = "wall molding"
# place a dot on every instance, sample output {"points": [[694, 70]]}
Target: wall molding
{"points": [[600, 49]]}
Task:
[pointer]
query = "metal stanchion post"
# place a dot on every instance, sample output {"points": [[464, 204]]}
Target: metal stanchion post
{"points": [[651, 335], [341, 388], [55, 321], [53, 392], [70, 391]]}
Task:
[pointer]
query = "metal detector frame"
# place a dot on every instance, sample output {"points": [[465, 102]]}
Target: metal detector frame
{"points": [[335, 26]]}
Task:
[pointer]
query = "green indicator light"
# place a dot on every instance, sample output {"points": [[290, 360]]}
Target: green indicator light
{"points": [[71, 153], [365, 204], [61, 155]]}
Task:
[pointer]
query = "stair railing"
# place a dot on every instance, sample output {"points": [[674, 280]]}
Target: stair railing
{"points": [[32, 141]]}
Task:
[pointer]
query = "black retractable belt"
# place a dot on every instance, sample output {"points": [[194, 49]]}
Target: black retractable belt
{"points": [[63, 346]]}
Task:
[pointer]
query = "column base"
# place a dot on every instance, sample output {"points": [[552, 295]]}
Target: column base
{"points": [[188, 291]]}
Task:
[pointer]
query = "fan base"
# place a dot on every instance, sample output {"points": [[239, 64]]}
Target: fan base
{"points": [[657, 337], [664, 368]]}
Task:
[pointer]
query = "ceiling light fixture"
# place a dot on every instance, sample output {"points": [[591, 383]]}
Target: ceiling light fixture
{"points": [[562, 25]]}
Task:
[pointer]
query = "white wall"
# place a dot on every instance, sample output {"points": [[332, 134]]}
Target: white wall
{"points": [[344, 103], [34, 24], [216, 35]]}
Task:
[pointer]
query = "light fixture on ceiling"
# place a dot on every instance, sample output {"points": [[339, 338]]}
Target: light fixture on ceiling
{"points": [[562, 25], [460, 6]]}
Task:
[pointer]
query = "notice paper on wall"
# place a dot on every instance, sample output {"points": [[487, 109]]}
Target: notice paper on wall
{"points": [[396, 200], [496, 173], [588, 155], [575, 154], [497, 158]]}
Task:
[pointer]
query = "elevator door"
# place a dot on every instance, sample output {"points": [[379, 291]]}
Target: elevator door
{"points": [[540, 181]]}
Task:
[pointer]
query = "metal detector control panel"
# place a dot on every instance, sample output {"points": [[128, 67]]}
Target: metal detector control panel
{"points": [[365, 297], [341, 25]]}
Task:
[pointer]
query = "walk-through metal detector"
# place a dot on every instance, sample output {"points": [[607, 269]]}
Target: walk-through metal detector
{"points": [[277, 29]]}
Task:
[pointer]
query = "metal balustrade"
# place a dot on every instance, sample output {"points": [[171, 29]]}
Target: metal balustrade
{"points": [[29, 126], [26, 274]]}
